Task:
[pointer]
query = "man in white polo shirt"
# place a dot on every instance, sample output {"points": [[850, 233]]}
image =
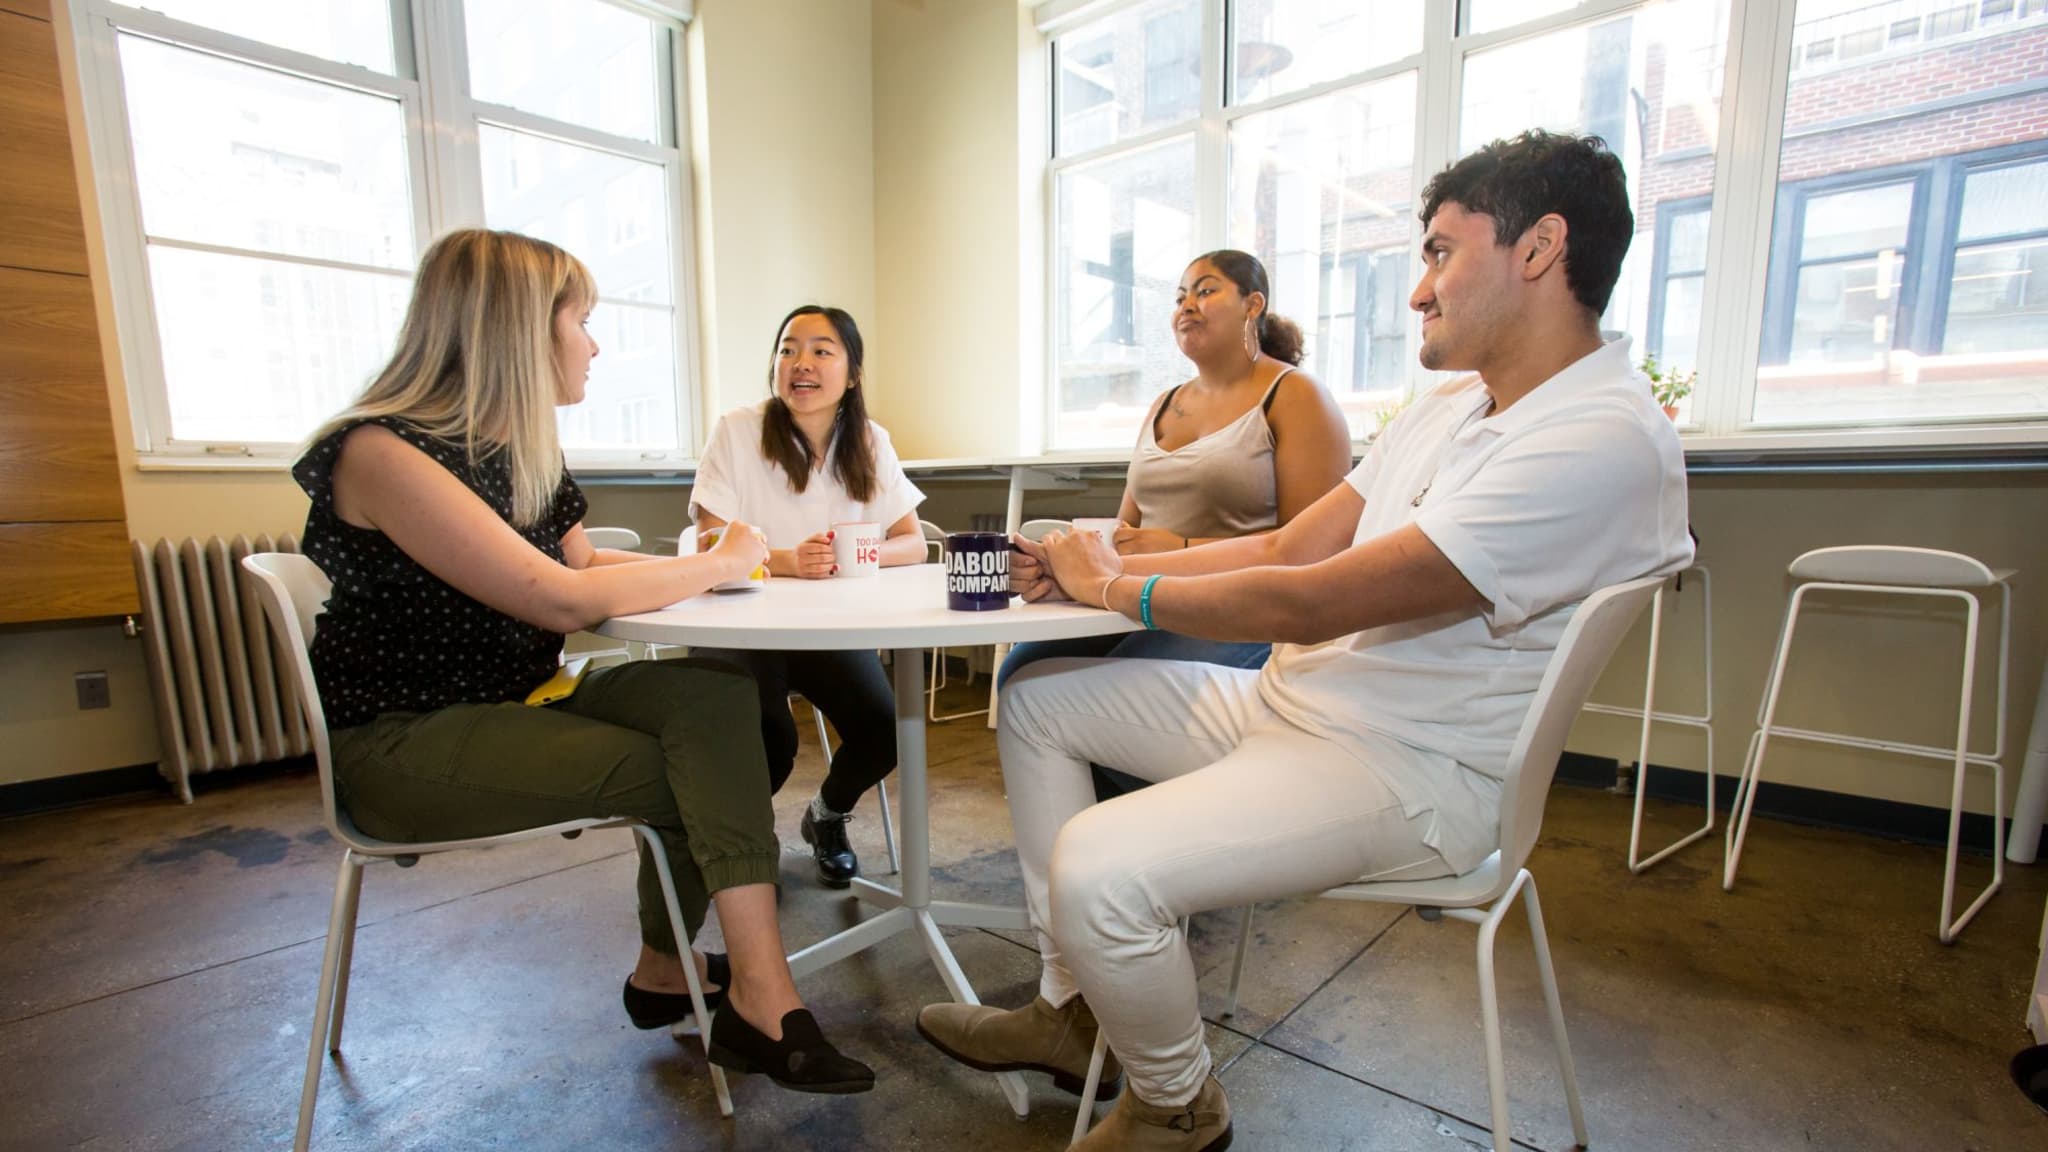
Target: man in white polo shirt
{"points": [[1412, 611]]}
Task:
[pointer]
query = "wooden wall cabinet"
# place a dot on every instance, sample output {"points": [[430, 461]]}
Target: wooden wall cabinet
{"points": [[63, 529]]}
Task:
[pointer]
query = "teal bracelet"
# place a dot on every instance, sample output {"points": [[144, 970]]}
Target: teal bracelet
{"points": [[1145, 603]]}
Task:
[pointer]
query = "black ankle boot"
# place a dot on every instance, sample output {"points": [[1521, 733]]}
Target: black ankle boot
{"points": [[802, 1061], [661, 1009], [837, 865]]}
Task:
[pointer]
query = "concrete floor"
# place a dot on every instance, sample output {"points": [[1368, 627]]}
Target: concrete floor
{"points": [[158, 965]]}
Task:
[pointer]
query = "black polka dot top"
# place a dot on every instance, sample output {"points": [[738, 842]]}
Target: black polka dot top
{"points": [[394, 637]]}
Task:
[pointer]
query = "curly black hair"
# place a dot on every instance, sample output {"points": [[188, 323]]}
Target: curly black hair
{"points": [[1519, 181]]}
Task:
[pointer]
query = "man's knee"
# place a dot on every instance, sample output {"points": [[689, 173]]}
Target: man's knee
{"points": [[1094, 875]]}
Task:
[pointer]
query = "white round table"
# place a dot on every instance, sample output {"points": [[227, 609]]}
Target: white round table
{"points": [[903, 609]]}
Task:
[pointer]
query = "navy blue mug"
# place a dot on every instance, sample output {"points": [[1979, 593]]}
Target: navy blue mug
{"points": [[977, 571]]}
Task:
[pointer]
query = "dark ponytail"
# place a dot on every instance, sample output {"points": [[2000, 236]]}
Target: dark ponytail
{"points": [[853, 450], [1279, 337]]}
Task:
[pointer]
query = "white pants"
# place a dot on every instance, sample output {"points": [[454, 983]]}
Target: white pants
{"points": [[1244, 807]]}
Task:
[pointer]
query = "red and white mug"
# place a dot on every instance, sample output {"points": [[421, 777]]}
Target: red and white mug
{"points": [[857, 548]]}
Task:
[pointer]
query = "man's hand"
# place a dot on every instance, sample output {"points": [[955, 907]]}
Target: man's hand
{"points": [[1082, 563]]}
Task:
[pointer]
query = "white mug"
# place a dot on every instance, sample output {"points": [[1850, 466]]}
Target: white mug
{"points": [[758, 578], [1103, 526], [857, 548]]}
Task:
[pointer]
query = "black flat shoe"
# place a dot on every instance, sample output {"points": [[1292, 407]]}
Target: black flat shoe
{"points": [[802, 1061], [837, 865], [660, 1009]]}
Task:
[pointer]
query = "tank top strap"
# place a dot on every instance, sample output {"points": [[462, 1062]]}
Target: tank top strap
{"points": [[1266, 405]]}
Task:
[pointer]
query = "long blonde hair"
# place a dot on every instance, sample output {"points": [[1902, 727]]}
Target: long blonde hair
{"points": [[475, 362]]}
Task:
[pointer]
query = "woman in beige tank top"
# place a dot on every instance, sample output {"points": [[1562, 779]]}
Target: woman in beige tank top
{"points": [[1239, 449]]}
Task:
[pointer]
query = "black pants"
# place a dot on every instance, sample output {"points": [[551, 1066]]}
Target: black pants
{"points": [[853, 693]]}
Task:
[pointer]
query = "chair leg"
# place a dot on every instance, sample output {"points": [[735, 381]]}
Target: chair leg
{"points": [[343, 967], [1548, 972], [1244, 946], [888, 827], [1489, 1023], [675, 920], [1950, 929], [1085, 1114], [345, 884], [1753, 767]]}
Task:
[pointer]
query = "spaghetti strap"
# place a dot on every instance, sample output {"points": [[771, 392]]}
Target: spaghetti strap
{"points": [[1266, 405], [1161, 410]]}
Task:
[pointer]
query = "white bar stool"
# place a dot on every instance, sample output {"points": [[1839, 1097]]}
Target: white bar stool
{"points": [[1895, 571], [1704, 722]]}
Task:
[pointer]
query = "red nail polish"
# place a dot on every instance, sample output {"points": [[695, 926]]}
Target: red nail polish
{"points": [[835, 569]]}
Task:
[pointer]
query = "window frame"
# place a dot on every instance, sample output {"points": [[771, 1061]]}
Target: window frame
{"points": [[442, 122], [1743, 214]]}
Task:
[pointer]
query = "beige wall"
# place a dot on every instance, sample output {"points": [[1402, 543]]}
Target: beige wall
{"points": [[959, 159], [784, 152]]}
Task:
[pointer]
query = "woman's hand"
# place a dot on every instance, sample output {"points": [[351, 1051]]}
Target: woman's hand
{"points": [[1030, 577], [1082, 564], [1134, 541], [742, 548], [812, 559]]}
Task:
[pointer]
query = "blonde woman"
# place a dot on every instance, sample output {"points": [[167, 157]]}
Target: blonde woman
{"points": [[453, 536]]}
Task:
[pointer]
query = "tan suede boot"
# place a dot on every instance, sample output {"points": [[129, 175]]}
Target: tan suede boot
{"points": [[1200, 1125], [1035, 1038]]}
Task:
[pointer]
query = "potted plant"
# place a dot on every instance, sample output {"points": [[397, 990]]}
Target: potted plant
{"points": [[1667, 385]]}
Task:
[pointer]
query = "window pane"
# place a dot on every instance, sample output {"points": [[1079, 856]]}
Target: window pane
{"points": [[1280, 46], [1648, 82], [244, 157], [1126, 231], [1129, 73], [1489, 15], [631, 401], [263, 350], [1998, 300], [1896, 325], [1678, 340], [2007, 201], [1320, 192], [1688, 243], [1846, 312], [1856, 223], [609, 211], [351, 31], [579, 61]]}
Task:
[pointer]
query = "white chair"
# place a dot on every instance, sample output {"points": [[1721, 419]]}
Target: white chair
{"points": [[1704, 721], [1485, 895], [294, 591], [935, 549], [687, 544], [1035, 530], [623, 539], [1895, 571]]}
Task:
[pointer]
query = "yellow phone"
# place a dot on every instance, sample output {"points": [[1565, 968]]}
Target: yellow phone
{"points": [[561, 685]]}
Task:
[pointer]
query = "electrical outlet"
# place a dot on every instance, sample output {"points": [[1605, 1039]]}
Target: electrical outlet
{"points": [[92, 690]]}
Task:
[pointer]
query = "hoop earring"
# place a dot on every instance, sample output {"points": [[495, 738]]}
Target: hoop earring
{"points": [[1251, 339]]}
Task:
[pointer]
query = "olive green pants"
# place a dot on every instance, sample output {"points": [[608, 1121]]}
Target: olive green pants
{"points": [[676, 743]]}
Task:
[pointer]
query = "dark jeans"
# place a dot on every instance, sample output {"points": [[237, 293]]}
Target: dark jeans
{"points": [[852, 691], [671, 742], [1134, 646]]}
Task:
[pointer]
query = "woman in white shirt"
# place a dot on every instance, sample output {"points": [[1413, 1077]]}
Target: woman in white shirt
{"points": [[796, 464]]}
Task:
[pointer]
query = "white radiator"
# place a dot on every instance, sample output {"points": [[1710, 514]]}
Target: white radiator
{"points": [[222, 699]]}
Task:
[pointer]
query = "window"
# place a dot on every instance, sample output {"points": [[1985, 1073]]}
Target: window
{"points": [[1908, 226], [1877, 279], [285, 174], [1321, 121]]}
